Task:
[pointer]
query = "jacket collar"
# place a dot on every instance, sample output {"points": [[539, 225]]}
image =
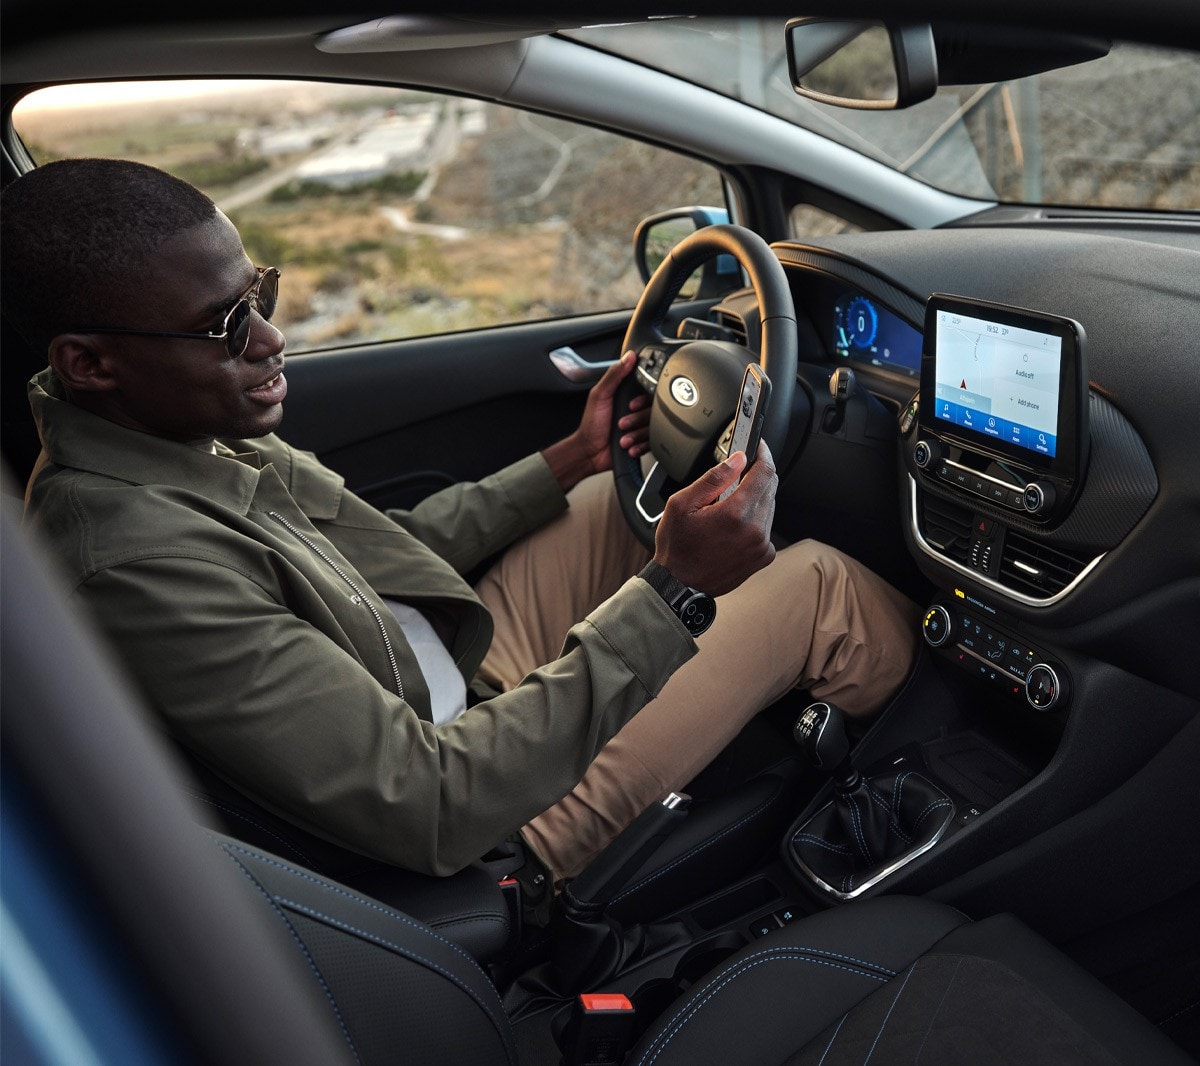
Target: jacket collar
{"points": [[75, 438]]}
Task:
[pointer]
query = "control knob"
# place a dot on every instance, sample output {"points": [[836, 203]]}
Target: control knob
{"points": [[1038, 497], [1042, 687], [927, 452], [935, 626]]}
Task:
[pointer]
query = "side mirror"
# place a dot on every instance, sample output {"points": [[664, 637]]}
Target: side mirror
{"points": [[865, 65], [656, 235]]}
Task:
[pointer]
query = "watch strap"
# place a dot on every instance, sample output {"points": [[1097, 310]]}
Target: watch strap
{"points": [[666, 584]]}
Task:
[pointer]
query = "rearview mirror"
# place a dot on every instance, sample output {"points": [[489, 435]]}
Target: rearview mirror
{"points": [[859, 64], [873, 65]]}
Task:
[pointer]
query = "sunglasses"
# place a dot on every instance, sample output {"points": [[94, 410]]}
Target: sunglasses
{"points": [[235, 327]]}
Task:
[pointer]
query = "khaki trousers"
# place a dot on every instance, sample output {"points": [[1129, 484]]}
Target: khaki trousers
{"points": [[814, 619]]}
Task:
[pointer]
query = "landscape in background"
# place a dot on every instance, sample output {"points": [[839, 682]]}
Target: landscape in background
{"points": [[395, 214]]}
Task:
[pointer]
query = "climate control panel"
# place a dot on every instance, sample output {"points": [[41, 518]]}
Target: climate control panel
{"points": [[995, 655]]}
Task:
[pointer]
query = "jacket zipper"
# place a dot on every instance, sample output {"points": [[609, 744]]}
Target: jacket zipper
{"points": [[358, 597]]}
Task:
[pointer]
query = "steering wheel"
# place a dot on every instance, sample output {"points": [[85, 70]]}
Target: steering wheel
{"points": [[695, 383]]}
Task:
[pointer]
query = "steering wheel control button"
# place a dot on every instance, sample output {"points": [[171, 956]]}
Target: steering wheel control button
{"points": [[650, 363], [1042, 687], [936, 626]]}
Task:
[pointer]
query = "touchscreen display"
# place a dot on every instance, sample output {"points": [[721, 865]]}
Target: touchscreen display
{"points": [[998, 380]]}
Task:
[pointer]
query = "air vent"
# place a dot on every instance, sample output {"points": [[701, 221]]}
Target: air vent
{"points": [[946, 527], [735, 325], [1036, 569]]}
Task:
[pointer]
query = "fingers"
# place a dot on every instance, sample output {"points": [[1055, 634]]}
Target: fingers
{"points": [[635, 426], [713, 544], [614, 375]]}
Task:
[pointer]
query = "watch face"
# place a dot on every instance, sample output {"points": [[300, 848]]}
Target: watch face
{"points": [[697, 612]]}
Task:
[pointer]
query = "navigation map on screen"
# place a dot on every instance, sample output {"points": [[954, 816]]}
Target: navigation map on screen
{"points": [[998, 380]]}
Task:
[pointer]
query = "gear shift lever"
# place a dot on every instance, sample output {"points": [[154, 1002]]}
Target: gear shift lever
{"points": [[821, 733], [872, 826]]}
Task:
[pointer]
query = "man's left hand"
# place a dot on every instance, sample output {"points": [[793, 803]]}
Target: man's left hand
{"points": [[587, 450]]}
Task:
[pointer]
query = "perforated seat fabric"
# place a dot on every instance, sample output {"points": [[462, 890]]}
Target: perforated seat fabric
{"points": [[906, 980]]}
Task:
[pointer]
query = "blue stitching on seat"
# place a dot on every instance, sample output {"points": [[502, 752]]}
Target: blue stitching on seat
{"points": [[941, 1002], [303, 947], [829, 1046], [789, 954], [201, 797], [363, 901], [399, 949], [883, 1024], [696, 850]]}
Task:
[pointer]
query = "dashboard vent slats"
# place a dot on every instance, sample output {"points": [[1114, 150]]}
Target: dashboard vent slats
{"points": [[734, 324], [946, 527], [1037, 569]]}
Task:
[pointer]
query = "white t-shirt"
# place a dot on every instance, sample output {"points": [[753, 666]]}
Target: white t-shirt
{"points": [[447, 689]]}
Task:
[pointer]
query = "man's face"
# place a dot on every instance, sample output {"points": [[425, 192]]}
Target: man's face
{"points": [[193, 389]]}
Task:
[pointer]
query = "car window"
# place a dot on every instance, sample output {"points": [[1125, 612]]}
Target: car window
{"points": [[392, 213], [808, 220]]}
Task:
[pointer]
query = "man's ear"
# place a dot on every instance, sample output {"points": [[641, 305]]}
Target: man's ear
{"points": [[80, 364]]}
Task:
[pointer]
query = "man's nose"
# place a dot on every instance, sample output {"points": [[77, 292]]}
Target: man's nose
{"points": [[266, 340]]}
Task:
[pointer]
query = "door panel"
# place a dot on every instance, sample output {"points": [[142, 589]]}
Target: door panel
{"points": [[400, 420]]}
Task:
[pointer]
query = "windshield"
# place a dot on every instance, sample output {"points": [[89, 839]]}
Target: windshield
{"points": [[1118, 132]]}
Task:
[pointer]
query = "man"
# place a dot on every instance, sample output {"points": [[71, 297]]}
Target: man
{"points": [[320, 656]]}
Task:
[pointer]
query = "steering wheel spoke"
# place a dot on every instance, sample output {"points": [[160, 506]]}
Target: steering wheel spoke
{"points": [[651, 498]]}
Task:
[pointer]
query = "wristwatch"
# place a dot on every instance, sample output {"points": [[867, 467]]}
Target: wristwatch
{"points": [[696, 610]]}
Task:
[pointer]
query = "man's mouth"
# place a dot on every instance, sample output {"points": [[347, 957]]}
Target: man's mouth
{"points": [[270, 392]]}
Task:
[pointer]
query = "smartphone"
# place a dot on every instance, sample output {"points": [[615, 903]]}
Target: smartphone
{"points": [[748, 422]]}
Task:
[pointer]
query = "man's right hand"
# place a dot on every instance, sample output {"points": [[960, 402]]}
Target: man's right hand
{"points": [[714, 546]]}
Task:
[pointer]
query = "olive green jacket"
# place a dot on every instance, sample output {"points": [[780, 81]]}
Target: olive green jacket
{"points": [[242, 589]]}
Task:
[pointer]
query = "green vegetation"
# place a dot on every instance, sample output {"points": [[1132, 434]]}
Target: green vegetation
{"points": [[219, 173], [403, 184]]}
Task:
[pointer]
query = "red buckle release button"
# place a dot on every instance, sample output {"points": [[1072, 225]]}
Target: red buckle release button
{"points": [[605, 1001]]}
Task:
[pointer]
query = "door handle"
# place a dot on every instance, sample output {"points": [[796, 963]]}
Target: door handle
{"points": [[574, 367]]}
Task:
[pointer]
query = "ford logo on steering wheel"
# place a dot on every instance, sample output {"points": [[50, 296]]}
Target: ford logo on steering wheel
{"points": [[684, 391]]}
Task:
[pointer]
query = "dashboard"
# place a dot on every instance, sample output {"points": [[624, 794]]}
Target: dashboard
{"points": [[1085, 541]]}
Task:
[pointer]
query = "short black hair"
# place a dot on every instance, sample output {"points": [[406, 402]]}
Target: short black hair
{"points": [[76, 233]]}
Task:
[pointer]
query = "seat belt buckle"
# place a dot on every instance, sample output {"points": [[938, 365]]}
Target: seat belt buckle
{"points": [[599, 1031], [510, 889]]}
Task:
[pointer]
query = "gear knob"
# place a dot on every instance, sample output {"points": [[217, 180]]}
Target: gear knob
{"points": [[821, 733]]}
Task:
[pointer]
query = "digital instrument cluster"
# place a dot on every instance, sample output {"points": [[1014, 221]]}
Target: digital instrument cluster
{"points": [[866, 332]]}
